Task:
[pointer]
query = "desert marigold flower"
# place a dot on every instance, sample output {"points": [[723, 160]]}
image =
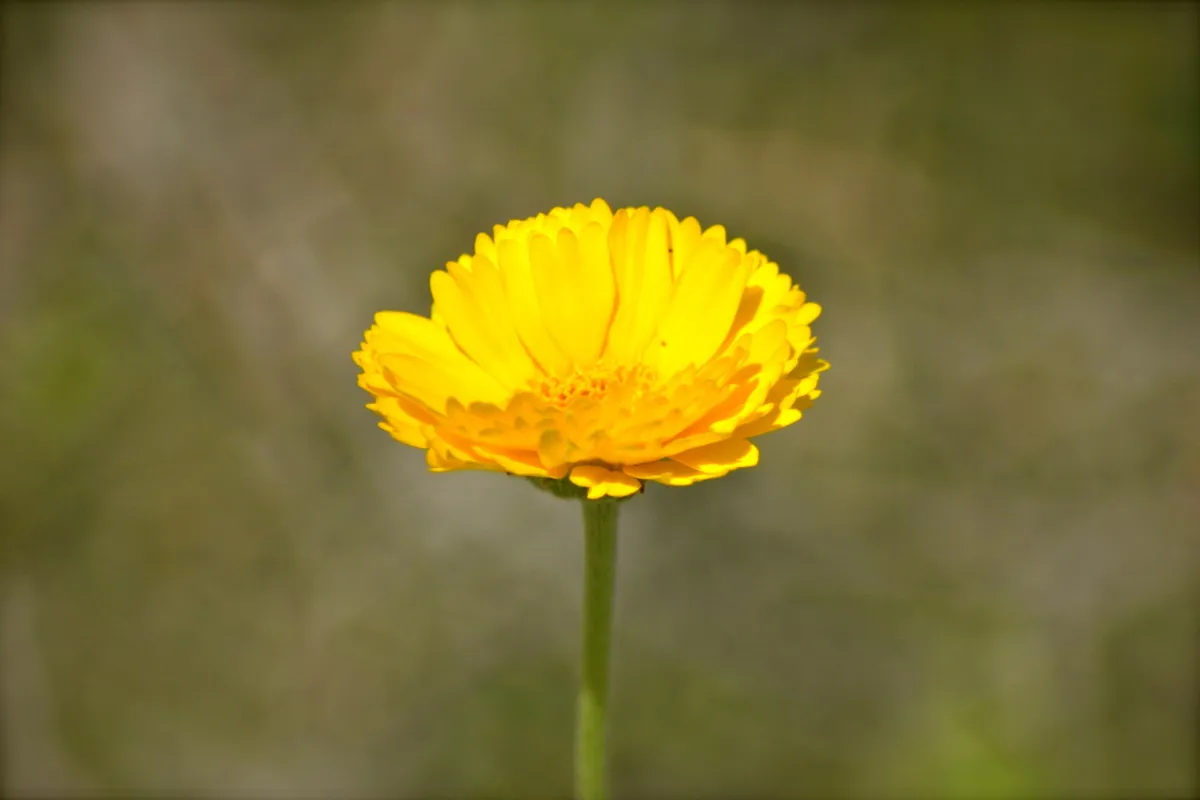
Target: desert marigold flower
{"points": [[609, 348]]}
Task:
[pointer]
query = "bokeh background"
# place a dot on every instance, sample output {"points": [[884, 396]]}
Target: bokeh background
{"points": [[970, 572]]}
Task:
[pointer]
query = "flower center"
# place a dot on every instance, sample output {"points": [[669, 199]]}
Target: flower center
{"points": [[594, 382]]}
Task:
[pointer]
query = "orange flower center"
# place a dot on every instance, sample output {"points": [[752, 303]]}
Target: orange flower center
{"points": [[594, 382]]}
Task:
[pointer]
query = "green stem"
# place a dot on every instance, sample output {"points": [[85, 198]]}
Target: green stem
{"points": [[600, 548]]}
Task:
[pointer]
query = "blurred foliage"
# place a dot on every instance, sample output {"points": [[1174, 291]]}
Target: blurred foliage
{"points": [[970, 572]]}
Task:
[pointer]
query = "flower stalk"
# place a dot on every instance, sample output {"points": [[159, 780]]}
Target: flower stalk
{"points": [[600, 556]]}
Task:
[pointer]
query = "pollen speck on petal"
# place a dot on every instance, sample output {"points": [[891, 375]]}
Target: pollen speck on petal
{"points": [[721, 456], [602, 482]]}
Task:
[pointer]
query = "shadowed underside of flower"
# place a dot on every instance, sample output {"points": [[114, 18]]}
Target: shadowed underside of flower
{"points": [[605, 347]]}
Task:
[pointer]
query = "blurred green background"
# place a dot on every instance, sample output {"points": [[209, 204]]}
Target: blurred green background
{"points": [[970, 572]]}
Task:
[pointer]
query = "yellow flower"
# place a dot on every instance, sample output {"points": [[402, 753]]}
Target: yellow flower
{"points": [[610, 348]]}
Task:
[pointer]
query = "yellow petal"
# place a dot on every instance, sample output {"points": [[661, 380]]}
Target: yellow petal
{"points": [[596, 284], [778, 418], [701, 311], [399, 331], [685, 238], [720, 457], [575, 291], [602, 213], [443, 456], [638, 249], [670, 473], [602, 482], [716, 233], [786, 402], [399, 423], [416, 356], [527, 309], [552, 448], [428, 383], [518, 462], [485, 246], [475, 306]]}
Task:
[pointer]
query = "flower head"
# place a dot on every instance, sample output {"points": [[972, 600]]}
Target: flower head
{"points": [[609, 348]]}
